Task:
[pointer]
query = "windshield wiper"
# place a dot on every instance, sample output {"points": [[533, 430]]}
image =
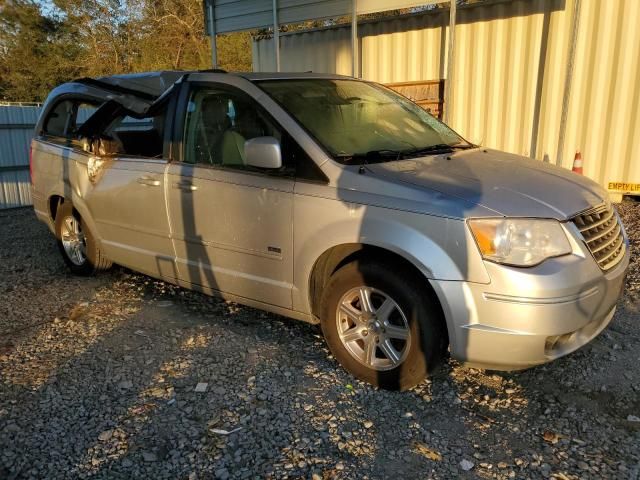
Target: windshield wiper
{"points": [[438, 148], [371, 156]]}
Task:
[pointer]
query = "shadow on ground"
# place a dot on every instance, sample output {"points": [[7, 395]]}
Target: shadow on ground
{"points": [[97, 379]]}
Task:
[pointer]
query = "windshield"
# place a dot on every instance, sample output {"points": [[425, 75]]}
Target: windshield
{"points": [[359, 120]]}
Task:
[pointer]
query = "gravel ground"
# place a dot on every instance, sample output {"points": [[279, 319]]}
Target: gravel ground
{"points": [[98, 379]]}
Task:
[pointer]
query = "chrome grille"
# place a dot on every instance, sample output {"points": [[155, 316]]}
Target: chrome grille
{"points": [[602, 233]]}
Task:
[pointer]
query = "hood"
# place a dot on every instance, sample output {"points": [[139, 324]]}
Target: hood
{"points": [[510, 185]]}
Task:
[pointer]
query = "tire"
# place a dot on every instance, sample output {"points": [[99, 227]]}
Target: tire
{"points": [[76, 243], [413, 309]]}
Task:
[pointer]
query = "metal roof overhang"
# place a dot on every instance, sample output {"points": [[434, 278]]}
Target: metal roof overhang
{"points": [[237, 15], [222, 16]]}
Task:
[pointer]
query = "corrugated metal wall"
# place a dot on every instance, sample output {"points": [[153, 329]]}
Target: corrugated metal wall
{"points": [[604, 114], [510, 66], [16, 131], [236, 15]]}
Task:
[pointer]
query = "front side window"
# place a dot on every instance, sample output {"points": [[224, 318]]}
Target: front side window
{"points": [[353, 119], [218, 122]]}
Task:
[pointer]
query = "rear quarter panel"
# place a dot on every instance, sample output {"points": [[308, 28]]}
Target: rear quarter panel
{"points": [[59, 170]]}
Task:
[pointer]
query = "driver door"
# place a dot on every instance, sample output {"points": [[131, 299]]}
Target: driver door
{"points": [[231, 223]]}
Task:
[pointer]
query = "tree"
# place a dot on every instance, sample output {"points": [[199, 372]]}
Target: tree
{"points": [[173, 37], [36, 51], [170, 36], [76, 38], [102, 29], [234, 51]]}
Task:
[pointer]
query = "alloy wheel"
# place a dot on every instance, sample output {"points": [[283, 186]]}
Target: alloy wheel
{"points": [[373, 328], [74, 241]]}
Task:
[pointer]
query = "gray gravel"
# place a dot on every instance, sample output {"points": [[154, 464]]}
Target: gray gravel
{"points": [[98, 379]]}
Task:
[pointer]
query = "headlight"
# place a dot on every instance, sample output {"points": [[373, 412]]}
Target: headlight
{"points": [[521, 242]]}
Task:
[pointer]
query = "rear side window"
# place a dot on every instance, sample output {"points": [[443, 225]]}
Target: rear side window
{"points": [[120, 135], [66, 117], [84, 111], [58, 119]]}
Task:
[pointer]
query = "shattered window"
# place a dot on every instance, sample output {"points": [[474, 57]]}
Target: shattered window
{"points": [[105, 128], [85, 110], [139, 137]]}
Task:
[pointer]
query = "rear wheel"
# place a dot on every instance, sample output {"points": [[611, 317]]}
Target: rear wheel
{"points": [[383, 325], [76, 244]]}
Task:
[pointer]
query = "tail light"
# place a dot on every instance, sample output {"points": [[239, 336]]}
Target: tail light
{"points": [[31, 163]]}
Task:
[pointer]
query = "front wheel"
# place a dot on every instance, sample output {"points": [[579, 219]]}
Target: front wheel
{"points": [[76, 244], [383, 325]]}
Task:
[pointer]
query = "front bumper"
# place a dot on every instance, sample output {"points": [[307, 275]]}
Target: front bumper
{"points": [[530, 316]]}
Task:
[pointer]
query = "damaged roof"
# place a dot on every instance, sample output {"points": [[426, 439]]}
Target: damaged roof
{"points": [[155, 84], [150, 83], [140, 93]]}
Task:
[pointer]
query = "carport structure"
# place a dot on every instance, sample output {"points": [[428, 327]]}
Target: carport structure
{"points": [[225, 16]]}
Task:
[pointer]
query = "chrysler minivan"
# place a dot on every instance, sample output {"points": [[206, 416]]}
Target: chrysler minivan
{"points": [[335, 201]]}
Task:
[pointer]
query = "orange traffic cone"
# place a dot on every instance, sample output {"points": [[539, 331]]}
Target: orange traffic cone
{"points": [[577, 163]]}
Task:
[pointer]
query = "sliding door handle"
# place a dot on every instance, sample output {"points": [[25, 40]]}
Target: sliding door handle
{"points": [[149, 181], [185, 186]]}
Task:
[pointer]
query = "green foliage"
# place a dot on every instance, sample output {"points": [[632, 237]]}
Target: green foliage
{"points": [[41, 48], [36, 51]]}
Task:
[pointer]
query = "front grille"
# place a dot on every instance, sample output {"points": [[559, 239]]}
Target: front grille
{"points": [[602, 233]]}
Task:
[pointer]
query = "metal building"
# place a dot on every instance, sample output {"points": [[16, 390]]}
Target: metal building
{"points": [[542, 78], [16, 130]]}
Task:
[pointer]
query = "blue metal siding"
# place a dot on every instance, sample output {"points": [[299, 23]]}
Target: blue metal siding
{"points": [[16, 131], [17, 125], [15, 188]]}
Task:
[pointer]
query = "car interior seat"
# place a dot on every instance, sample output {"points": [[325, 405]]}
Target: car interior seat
{"points": [[214, 122], [247, 125]]}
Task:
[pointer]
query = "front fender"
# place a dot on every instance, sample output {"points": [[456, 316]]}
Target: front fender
{"points": [[441, 248]]}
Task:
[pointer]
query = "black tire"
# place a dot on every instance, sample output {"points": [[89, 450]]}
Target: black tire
{"points": [[428, 338], [94, 259]]}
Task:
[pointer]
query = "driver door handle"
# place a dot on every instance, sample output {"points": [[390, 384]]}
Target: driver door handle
{"points": [[185, 186], [148, 181]]}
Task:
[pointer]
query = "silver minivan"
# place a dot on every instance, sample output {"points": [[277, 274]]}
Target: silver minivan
{"points": [[335, 201]]}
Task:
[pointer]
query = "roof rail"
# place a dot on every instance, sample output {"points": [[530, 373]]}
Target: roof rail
{"points": [[213, 70]]}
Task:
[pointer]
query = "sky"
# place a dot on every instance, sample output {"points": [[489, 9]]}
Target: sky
{"points": [[47, 6]]}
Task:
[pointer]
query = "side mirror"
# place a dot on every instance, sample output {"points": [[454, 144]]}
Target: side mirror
{"points": [[263, 152]]}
